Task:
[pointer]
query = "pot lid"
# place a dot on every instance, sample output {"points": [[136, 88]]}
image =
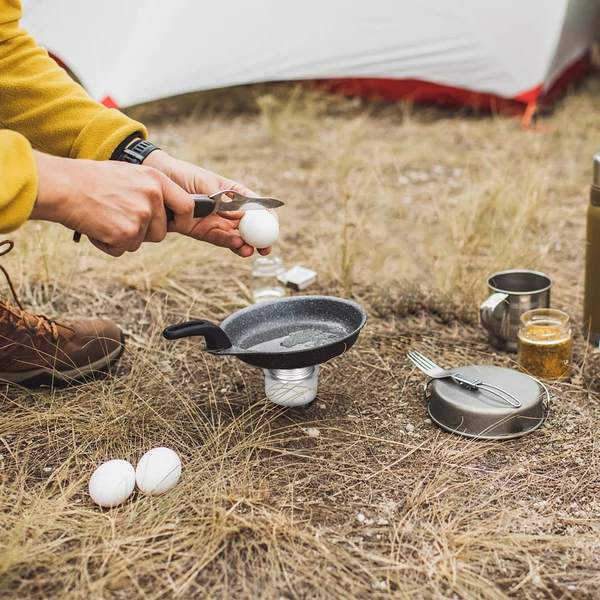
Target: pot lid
{"points": [[483, 414]]}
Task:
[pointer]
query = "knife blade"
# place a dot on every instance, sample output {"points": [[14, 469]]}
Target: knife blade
{"points": [[207, 205]]}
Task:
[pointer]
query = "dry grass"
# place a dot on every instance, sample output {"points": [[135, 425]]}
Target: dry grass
{"points": [[405, 209]]}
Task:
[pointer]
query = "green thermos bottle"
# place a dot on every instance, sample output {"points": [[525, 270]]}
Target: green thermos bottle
{"points": [[591, 292]]}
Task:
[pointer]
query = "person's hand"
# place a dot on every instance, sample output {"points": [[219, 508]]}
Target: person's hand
{"points": [[220, 229], [117, 205]]}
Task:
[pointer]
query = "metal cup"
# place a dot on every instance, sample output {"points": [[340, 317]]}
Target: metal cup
{"points": [[513, 293]]}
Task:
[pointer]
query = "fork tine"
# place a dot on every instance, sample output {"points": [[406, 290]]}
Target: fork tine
{"points": [[427, 361], [431, 364], [416, 359], [421, 356], [413, 359]]}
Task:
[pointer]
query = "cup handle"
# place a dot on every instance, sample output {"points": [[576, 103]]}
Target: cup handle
{"points": [[492, 313]]}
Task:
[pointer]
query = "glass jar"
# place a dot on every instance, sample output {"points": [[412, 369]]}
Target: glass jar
{"points": [[265, 285], [545, 343]]}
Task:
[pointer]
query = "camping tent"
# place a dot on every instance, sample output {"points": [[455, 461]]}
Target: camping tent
{"points": [[509, 53]]}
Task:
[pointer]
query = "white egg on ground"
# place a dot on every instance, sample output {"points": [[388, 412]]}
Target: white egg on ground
{"points": [[158, 471], [259, 228], [112, 483]]}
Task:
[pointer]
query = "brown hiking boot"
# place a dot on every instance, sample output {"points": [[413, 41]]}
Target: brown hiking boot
{"points": [[36, 350]]}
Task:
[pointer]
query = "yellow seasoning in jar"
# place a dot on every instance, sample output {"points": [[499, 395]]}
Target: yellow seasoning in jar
{"points": [[545, 343]]}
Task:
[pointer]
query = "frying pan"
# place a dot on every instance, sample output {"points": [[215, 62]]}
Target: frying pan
{"points": [[290, 333]]}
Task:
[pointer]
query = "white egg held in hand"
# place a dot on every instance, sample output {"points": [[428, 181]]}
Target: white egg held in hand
{"points": [[158, 471], [112, 483], [259, 228]]}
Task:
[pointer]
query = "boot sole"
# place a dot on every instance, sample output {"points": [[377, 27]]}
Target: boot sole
{"points": [[49, 378]]}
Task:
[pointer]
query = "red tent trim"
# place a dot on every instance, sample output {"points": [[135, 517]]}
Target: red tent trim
{"points": [[426, 92], [109, 102]]}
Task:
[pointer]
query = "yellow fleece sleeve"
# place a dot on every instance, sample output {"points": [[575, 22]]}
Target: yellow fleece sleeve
{"points": [[39, 99], [18, 180]]}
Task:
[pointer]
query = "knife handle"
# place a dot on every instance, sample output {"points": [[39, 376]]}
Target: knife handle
{"points": [[203, 206]]}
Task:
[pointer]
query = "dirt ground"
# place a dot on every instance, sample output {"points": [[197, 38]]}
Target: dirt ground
{"points": [[406, 210]]}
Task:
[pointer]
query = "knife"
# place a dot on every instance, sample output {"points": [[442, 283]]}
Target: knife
{"points": [[207, 205]]}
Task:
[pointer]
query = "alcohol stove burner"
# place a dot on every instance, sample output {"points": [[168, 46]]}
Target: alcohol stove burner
{"points": [[291, 387]]}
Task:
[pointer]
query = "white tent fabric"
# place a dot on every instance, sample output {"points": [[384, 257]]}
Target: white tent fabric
{"points": [[132, 52]]}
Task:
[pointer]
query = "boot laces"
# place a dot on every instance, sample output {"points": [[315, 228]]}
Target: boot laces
{"points": [[16, 315]]}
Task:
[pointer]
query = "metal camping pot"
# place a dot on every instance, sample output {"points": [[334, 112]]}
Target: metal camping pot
{"points": [[484, 415]]}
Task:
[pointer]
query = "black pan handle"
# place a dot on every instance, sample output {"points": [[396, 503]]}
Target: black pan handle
{"points": [[216, 338], [203, 206]]}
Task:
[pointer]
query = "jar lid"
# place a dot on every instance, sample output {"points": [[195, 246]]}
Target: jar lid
{"points": [[483, 414]]}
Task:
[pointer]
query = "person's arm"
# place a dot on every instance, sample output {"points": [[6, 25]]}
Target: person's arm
{"points": [[117, 206], [39, 100], [18, 180]]}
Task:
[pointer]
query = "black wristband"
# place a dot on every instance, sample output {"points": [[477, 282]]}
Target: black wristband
{"points": [[119, 149], [137, 152]]}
